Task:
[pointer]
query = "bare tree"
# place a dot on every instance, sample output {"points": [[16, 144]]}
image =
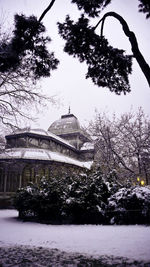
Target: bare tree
{"points": [[18, 85], [17, 94], [24, 59], [123, 144], [135, 131]]}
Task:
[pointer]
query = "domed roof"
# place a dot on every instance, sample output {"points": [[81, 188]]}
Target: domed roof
{"points": [[65, 125]]}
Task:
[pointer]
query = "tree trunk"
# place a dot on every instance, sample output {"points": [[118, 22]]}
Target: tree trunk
{"points": [[133, 41]]}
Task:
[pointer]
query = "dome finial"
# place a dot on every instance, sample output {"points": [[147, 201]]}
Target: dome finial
{"points": [[69, 110]]}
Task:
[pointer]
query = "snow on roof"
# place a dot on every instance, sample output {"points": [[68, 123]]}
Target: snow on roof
{"points": [[87, 146], [43, 133], [42, 154]]}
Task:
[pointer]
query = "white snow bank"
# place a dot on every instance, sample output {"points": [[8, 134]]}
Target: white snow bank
{"points": [[132, 242]]}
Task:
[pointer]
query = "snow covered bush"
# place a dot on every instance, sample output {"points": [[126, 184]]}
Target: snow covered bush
{"points": [[86, 199], [26, 201], [77, 199], [130, 206], [112, 181], [42, 202]]}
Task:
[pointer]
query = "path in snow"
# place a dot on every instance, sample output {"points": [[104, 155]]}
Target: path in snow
{"points": [[132, 242]]}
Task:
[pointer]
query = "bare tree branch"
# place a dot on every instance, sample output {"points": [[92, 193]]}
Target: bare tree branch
{"points": [[46, 10], [123, 144]]}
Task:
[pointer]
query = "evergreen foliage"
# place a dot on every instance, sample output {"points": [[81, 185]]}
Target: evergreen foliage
{"points": [[107, 66], [27, 49], [144, 7], [84, 199], [76, 199], [92, 8], [130, 206]]}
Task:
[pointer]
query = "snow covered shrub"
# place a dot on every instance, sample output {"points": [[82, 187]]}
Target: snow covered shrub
{"points": [[42, 202], [85, 200], [112, 181], [49, 196], [78, 199], [130, 206], [26, 201]]}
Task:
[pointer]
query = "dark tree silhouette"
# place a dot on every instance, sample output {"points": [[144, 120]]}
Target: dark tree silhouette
{"points": [[24, 58], [144, 7], [93, 8], [27, 49], [107, 66], [134, 44]]}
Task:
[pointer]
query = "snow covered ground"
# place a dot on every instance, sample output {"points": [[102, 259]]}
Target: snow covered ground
{"points": [[132, 242]]}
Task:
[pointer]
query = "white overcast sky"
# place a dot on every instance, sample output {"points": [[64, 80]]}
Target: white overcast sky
{"points": [[68, 82]]}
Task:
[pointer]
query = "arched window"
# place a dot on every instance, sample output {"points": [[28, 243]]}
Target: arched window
{"points": [[12, 180], [40, 173], [27, 176]]}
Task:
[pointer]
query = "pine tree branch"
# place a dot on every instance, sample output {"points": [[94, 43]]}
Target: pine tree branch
{"points": [[133, 41]]}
